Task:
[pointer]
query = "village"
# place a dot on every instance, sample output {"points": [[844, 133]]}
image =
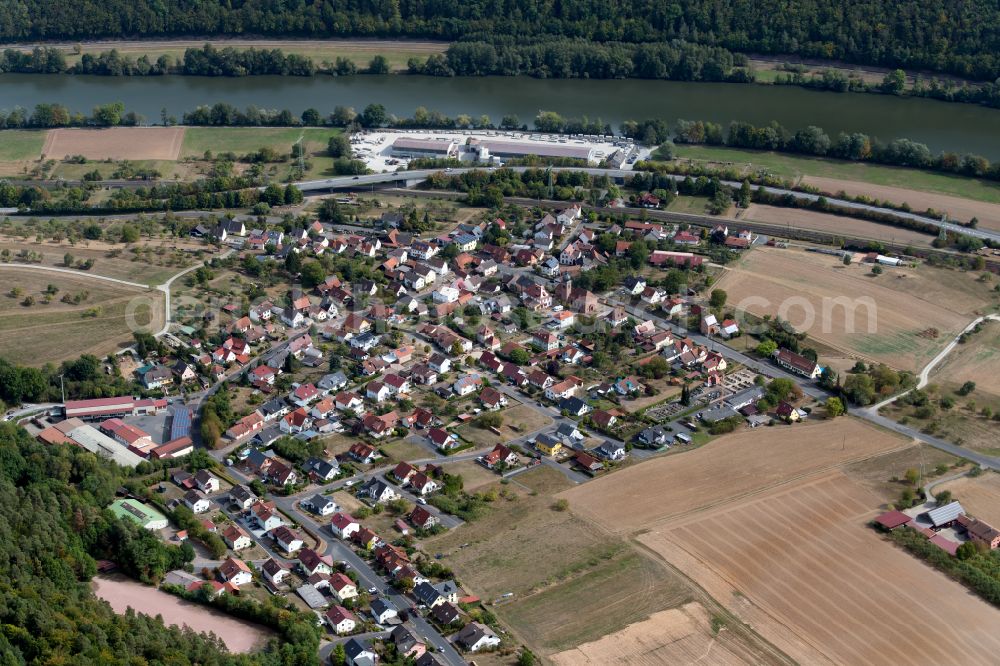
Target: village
{"points": [[341, 415]]}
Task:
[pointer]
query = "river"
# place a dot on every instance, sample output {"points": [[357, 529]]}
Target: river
{"points": [[942, 126], [124, 593]]}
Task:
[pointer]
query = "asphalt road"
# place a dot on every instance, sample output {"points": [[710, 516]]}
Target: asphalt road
{"points": [[422, 174]]}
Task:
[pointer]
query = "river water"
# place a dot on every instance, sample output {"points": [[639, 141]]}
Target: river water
{"points": [[942, 126]]}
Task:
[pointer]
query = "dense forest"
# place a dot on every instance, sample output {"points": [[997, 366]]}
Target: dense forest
{"points": [[53, 527], [957, 36]]}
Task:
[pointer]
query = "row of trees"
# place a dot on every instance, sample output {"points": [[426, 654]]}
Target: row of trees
{"points": [[812, 140], [956, 37], [575, 58]]}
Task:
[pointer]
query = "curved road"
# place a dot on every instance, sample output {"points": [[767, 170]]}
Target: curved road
{"points": [[422, 174], [165, 287]]}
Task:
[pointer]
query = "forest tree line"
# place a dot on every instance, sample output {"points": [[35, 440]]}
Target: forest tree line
{"points": [[55, 527], [961, 38]]}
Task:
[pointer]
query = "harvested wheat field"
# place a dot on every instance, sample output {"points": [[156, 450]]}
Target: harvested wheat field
{"points": [[979, 495], [677, 636], [802, 568], [834, 224], [734, 466], [958, 208], [117, 143], [900, 318], [978, 360]]}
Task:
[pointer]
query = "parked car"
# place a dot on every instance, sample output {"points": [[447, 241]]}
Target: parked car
{"points": [[373, 590], [421, 500]]}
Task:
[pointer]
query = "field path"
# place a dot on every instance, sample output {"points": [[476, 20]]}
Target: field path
{"points": [[165, 287], [76, 273]]}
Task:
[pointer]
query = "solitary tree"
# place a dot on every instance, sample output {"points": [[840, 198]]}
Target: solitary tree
{"points": [[718, 298], [834, 407]]}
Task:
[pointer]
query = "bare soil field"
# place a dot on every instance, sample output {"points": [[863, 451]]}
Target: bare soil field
{"points": [[979, 495], [117, 143], [958, 208], [835, 224], [977, 360], [53, 332], [889, 318], [800, 565], [570, 583], [677, 636], [733, 466], [122, 593]]}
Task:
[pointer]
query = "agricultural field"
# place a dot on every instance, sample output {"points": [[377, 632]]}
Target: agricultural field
{"points": [[840, 173], [979, 495], [959, 208], [750, 461], [901, 318], [151, 261], [243, 140], [799, 564], [683, 635], [116, 143], [834, 224], [49, 333], [21, 145], [569, 582]]}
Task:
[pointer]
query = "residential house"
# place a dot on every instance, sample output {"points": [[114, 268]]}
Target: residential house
{"points": [[360, 653], [286, 539], [492, 399], [206, 481], [422, 484], [236, 538], [379, 491], [500, 455], [797, 363], [312, 562], [383, 610], [574, 406], [364, 453], [196, 501], [340, 620], [321, 505], [264, 516], [274, 572], [422, 518], [242, 497], [443, 439], [548, 444], [343, 525], [235, 571], [343, 586], [475, 637], [610, 450]]}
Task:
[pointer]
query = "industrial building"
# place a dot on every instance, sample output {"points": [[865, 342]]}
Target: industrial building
{"points": [[487, 149], [106, 408], [425, 148], [75, 431]]}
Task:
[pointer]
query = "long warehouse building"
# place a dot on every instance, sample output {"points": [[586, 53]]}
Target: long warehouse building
{"points": [[488, 148], [432, 148]]}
